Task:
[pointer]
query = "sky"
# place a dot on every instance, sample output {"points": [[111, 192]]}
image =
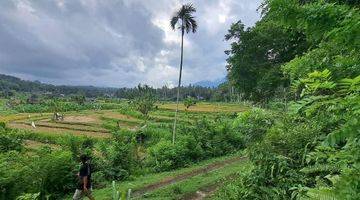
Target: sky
{"points": [[115, 43]]}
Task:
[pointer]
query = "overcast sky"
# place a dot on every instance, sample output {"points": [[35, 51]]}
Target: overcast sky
{"points": [[117, 43]]}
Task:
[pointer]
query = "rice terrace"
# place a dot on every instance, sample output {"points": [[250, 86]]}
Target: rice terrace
{"points": [[99, 123], [180, 99]]}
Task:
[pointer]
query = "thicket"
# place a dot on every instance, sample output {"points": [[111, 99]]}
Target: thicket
{"points": [[310, 150], [205, 139]]}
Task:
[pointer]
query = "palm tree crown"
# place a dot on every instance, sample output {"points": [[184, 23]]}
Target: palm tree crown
{"points": [[188, 22]]}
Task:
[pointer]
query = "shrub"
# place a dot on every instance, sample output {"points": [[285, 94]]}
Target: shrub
{"points": [[189, 101], [10, 141], [78, 146], [253, 124], [118, 159], [56, 173], [166, 156], [50, 173], [206, 139]]}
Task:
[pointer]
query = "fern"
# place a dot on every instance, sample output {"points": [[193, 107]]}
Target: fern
{"points": [[348, 86], [322, 193], [350, 130], [320, 168]]}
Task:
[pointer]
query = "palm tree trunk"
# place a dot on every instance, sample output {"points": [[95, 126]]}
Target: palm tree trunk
{"points": [[179, 84]]}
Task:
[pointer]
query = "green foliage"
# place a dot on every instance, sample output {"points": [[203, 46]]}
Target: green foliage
{"points": [[253, 124], [62, 106], [47, 173], [118, 159], [189, 101], [79, 99], [117, 195], [206, 139], [78, 146], [165, 155], [10, 141], [145, 100], [30, 196], [257, 54]]}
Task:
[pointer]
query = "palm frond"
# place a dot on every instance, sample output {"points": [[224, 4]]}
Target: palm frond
{"points": [[174, 21], [193, 24], [185, 15]]}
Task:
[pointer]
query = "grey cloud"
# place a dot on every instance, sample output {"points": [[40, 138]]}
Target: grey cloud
{"points": [[111, 42]]}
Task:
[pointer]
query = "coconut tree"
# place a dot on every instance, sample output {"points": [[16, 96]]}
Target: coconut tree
{"points": [[184, 20]]}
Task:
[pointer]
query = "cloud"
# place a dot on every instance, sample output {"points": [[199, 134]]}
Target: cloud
{"points": [[114, 42]]}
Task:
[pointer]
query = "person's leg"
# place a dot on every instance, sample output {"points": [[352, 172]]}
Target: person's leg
{"points": [[78, 194]]}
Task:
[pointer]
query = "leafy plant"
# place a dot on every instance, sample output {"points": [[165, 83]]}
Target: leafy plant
{"points": [[189, 101], [145, 100]]}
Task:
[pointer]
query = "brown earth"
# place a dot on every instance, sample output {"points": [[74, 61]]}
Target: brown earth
{"points": [[60, 131], [82, 118], [32, 144], [208, 190], [116, 115]]}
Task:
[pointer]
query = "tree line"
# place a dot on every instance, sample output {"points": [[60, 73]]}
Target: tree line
{"points": [[11, 86]]}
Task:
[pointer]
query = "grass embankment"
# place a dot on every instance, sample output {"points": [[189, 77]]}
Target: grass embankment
{"points": [[179, 183]]}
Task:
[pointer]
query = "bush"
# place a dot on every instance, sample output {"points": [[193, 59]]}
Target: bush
{"points": [[253, 124], [118, 158], [10, 141], [78, 146], [165, 156], [189, 101], [50, 173], [206, 139]]}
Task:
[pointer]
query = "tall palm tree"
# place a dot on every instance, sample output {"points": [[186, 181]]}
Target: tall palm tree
{"points": [[187, 23]]}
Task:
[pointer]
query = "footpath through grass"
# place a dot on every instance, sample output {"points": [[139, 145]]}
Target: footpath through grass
{"points": [[179, 183]]}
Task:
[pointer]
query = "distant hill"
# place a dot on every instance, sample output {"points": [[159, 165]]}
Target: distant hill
{"points": [[212, 84], [11, 83]]}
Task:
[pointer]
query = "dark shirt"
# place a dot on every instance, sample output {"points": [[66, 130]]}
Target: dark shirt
{"points": [[85, 170]]}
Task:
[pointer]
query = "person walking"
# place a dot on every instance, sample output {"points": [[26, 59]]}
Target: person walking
{"points": [[84, 186]]}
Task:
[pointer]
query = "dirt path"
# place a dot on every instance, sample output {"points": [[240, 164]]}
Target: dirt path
{"points": [[186, 175], [202, 193], [208, 190]]}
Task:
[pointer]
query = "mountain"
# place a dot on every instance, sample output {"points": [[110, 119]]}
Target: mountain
{"points": [[211, 84]]}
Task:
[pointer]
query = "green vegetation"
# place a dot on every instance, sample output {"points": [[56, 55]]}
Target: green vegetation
{"points": [[189, 101], [298, 70], [306, 150], [145, 100], [127, 152]]}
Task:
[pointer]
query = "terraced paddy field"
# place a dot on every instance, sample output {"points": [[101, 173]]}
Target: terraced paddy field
{"points": [[99, 124]]}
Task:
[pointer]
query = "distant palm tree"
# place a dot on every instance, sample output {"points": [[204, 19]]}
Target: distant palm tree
{"points": [[187, 23]]}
